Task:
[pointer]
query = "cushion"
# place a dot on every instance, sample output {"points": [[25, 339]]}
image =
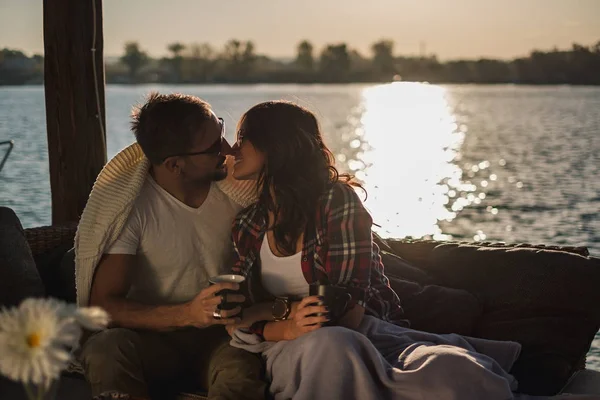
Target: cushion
{"points": [[398, 267], [57, 270], [544, 299], [431, 308], [19, 277], [438, 309]]}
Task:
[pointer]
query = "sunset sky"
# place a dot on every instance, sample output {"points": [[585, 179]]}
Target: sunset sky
{"points": [[448, 28]]}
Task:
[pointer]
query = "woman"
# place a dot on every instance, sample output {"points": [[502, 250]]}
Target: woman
{"points": [[309, 226]]}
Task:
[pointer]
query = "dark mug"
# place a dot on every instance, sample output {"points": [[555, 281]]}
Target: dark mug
{"points": [[336, 298], [227, 278]]}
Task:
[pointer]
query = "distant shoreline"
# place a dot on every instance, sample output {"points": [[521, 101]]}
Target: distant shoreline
{"points": [[238, 63]]}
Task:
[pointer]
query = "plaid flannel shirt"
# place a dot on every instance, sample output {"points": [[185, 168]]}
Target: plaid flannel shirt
{"points": [[338, 249]]}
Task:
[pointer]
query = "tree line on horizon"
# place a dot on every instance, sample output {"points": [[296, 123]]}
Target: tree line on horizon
{"points": [[239, 62]]}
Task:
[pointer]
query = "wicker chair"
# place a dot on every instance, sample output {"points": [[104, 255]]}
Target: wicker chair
{"points": [[46, 238]]}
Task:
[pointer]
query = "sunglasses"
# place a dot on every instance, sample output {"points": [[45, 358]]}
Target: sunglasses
{"points": [[214, 149]]}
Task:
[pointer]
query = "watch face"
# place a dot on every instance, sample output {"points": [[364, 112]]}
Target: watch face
{"points": [[279, 309]]}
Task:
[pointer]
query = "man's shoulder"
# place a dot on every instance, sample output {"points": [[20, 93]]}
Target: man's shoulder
{"points": [[148, 193], [146, 201]]}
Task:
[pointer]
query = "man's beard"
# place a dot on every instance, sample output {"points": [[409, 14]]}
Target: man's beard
{"points": [[219, 175], [215, 176]]}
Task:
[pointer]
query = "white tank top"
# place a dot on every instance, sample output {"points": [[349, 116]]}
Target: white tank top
{"points": [[282, 276]]}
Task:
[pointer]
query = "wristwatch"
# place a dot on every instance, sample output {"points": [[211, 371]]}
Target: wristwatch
{"points": [[282, 307]]}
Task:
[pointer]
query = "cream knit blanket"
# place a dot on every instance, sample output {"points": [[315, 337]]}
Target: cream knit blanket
{"points": [[109, 205]]}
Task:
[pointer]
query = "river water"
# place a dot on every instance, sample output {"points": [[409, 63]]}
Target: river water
{"points": [[470, 162]]}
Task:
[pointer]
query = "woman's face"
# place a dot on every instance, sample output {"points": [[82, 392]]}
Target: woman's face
{"points": [[248, 160]]}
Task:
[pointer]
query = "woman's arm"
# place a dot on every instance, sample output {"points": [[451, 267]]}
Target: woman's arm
{"points": [[263, 312], [303, 321], [292, 328], [349, 257], [275, 331]]}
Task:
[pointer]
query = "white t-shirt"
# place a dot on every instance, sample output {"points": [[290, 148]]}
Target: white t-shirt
{"points": [[178, 247], [282, 276]]}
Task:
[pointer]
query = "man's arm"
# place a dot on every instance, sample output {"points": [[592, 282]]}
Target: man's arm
{"points": [[111, 284]]}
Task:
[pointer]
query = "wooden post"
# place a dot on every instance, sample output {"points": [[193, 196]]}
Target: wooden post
{"points": [[74, 92]]}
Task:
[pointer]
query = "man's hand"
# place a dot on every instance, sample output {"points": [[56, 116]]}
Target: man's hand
{"points": [[200, 310]]}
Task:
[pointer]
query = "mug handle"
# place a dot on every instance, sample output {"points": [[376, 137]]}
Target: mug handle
{"points": [[345, 300]]}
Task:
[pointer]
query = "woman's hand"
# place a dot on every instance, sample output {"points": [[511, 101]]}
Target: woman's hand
{"points": [[305, 318], [230, 329]]}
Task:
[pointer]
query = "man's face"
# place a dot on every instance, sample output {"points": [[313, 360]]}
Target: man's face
{"points": [[205, 160]]}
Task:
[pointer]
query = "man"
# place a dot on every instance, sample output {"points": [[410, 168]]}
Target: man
{"points": [[155, 229]]}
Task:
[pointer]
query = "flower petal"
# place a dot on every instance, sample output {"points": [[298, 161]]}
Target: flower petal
{"points": [[92, 318]]}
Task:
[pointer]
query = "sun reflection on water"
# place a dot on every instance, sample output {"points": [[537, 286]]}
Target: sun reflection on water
{"points": [[409, 140]]}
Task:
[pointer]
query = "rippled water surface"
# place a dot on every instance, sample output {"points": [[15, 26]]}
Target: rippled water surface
{"points": [[497, 163]]}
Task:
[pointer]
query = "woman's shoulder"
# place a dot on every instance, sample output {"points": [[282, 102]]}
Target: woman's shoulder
{"points": [[343, 201], [341, 193]]}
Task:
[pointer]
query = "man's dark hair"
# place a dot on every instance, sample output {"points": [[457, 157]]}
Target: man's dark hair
{"points": [[166, 124]]}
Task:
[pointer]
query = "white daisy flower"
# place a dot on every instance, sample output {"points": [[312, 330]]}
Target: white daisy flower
{"points": [[35, 341]]}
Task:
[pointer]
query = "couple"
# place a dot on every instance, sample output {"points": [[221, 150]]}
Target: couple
{"points": [[158, 225]]}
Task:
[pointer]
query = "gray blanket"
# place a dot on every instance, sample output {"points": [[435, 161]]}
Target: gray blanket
{"points": [[384, 361]]}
